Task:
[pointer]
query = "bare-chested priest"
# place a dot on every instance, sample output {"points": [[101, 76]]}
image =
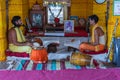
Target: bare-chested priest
{"points": [[17, 41], [98, 40]]}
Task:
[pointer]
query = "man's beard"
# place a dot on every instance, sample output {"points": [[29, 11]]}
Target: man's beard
{"points": [[18, 25]]}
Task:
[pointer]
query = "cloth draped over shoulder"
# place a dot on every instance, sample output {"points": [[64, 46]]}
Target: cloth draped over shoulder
{"points": [[20, 36]]}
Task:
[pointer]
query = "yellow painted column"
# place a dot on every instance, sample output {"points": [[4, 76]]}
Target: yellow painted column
{"points": [[3, 27]]}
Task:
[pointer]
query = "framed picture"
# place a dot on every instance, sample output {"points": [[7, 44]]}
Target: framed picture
{"points": [[36, 19], [75, 18], [68, 25], [55, 11], [116, 8], [36, 16]]}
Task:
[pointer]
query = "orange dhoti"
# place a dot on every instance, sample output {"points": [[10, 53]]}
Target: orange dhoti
{"points": [[39, 55], [86, 46]]}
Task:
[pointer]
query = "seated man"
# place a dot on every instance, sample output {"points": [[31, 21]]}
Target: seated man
{"points": [[17, 41], [97, 37]]}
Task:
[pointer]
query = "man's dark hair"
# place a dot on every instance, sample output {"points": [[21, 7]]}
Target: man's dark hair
{"points": [[94, 17], [14, 19]]}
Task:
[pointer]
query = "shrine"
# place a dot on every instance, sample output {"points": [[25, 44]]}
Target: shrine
{"points": [[59, 39]]}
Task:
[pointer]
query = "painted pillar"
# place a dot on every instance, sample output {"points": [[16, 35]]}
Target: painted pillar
{"points": [[3, 28]]}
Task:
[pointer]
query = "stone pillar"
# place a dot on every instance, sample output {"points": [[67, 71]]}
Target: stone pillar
{"points": [[3, 29]]}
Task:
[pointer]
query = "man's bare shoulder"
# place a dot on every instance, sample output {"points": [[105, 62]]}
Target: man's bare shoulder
{"points": [[98, 29], [12, 30]]}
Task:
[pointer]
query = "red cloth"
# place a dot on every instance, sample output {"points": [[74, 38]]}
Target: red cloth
{"points": [[99, 52], [16, 54], [77, 33], [80, 28]]}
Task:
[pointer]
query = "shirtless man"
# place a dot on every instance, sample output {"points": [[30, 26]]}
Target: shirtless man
{"points": [[97, 37], [17, 41]]}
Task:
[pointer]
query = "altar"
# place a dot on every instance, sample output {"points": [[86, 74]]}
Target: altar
{"points": [[64, 42]]}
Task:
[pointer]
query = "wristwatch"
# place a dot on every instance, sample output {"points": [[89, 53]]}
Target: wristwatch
{"points": [[100, 1]]}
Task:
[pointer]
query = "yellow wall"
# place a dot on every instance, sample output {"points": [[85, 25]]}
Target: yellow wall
{"points": [[100, 9], [3, 28], [111, 23], [81, 8], [18, 7]]}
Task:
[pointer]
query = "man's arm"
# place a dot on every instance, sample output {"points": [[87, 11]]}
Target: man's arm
{"points": [[96, 36], [98, 32]]}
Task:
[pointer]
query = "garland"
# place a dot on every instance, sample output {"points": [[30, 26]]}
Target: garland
{"points": [[53, 14]]}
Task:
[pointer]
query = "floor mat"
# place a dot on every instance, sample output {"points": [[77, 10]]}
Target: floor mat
{"points": [[50, 65], [7, 65]]}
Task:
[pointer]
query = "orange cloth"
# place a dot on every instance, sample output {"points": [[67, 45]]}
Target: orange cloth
{"points": [[86, 46]]}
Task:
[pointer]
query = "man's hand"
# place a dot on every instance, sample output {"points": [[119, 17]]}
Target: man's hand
{"points": [[29, 44]]}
